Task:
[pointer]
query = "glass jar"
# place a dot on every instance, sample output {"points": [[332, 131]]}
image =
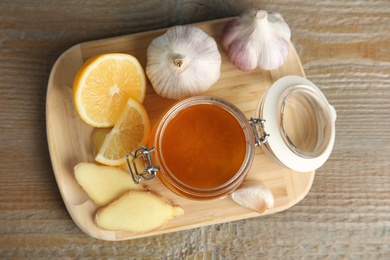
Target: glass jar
{"points": [[204, 146]]}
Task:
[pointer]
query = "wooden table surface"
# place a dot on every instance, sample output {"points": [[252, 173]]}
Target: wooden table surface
{"points": [[344, 48]]}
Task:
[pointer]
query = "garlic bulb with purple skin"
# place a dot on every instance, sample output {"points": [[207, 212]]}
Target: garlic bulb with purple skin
{"points": [[257, 39], [183, 62]]}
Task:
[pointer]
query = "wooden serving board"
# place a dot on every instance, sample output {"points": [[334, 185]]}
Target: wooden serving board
{"points": [[70, 139]]}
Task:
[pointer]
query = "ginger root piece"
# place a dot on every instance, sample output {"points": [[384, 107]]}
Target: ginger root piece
{"points": [[138, 212], [104, 184]]}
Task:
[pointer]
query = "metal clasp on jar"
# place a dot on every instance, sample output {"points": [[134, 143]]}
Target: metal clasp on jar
{"points": [[262, 137], [150, 170]]}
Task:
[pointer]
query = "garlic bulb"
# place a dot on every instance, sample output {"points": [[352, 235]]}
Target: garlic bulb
{"points": [[183, 62], [253, 195], [257, 39]]}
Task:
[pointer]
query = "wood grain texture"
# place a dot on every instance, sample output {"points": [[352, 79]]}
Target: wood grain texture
{"points": [[344, 49]]}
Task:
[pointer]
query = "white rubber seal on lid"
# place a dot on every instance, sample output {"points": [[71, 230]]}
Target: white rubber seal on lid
{"points": [[279, 144]]}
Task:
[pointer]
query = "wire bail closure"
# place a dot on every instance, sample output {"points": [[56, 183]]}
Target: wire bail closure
{"points": [[264, 136], [150, 170]]}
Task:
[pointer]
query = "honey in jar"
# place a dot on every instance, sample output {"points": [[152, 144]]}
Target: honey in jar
{"points": [[203, 146], [203, 140]]}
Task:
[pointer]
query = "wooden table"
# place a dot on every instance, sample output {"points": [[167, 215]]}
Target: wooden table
{"points": [[344, 48]]}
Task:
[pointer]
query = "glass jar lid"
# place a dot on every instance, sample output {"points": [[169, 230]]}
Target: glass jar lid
{"points": [[300, 123]]}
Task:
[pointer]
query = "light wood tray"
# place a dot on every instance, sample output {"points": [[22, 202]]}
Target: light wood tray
{"points": [[70, 139]]}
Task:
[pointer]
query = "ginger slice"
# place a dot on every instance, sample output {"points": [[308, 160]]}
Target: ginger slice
{"points": [[138, 212], [104, 184]]}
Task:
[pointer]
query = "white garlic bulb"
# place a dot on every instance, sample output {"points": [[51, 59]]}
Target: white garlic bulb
{"points": [[183, 62], [257, 39]]}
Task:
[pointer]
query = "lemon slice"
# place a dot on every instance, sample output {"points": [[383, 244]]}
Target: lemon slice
{"points": [[103, 85], [131, 131]]}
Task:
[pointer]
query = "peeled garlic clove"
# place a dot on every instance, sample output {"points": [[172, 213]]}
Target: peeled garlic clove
{"points": [[253, 195], [257, 39], [183, 62]]}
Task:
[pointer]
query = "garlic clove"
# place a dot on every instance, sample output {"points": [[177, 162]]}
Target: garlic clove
{"points": [[253, 195], [257, 39], [183, 62]]}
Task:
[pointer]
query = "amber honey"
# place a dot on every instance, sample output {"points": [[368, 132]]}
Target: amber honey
{"points": [[204, 148]]}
